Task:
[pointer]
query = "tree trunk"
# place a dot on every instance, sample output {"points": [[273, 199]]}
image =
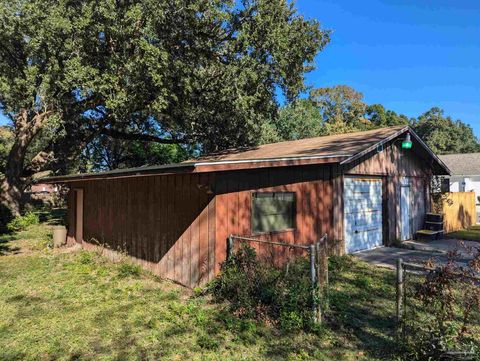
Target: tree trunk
{"points": [[12, 185]]}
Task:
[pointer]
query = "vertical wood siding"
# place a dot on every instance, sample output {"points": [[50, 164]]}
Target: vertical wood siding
{"points": [[314, 207], [176, 225], [163, 222], [392, 163]]}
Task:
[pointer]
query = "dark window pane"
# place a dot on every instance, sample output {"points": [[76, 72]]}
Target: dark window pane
{"points": [[273, 211]]}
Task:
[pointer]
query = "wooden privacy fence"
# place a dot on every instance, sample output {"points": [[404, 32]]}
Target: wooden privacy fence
{"points": [[317, 255], [459, 209]]}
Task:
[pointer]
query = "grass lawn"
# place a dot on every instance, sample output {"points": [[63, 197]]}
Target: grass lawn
{"points": [[471, 234], [73, 305]]}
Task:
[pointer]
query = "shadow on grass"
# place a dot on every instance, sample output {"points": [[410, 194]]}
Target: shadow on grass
{"points": [[362, 304], [5, 247]]}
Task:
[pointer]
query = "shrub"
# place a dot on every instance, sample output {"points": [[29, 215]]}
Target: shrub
{"points": [[257, 290], [450, 300], [21, 223]]}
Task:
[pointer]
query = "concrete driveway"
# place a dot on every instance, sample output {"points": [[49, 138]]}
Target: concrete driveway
{"points": [[419, 252]]}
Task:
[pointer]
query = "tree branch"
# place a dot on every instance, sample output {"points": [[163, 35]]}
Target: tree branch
{"points": [[140, 137]]}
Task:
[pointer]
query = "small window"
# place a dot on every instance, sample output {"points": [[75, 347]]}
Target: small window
{"points": [[273, 212]]}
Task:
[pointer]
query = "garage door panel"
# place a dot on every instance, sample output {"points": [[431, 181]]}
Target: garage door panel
{"points": [[370, 220], [362, 213], [362, 205]]}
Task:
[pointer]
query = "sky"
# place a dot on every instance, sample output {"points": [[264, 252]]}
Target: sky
{"points": [[408, 55]]}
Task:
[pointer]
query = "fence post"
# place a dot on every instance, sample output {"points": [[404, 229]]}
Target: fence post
{"points": [[324, 261], [319, 280], [229, 246], [313, 279], [399, 294]]}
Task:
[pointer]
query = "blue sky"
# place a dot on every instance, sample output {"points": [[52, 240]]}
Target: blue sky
{"points": [[408, 55]]}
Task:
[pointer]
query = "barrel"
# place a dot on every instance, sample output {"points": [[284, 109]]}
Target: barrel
{"points": [[59, 236]]}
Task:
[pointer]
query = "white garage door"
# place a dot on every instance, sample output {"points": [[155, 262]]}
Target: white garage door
{"points": [[363, 213]]}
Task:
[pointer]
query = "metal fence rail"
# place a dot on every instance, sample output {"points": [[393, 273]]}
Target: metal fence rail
{"points": [[318, 265], [404, 268]]}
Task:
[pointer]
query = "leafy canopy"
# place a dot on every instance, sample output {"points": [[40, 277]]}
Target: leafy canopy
{"points": [[445, 135], [173, 72], [341, 109]]}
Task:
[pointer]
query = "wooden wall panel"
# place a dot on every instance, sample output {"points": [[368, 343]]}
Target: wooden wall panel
{"points": [[313, 190], [164, 223], [393, 163]]}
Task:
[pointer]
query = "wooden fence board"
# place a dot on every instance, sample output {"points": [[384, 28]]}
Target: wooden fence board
{"points": [[459, 210]]}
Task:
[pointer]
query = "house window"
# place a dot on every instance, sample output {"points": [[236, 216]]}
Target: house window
{"points": [[273, 211]]}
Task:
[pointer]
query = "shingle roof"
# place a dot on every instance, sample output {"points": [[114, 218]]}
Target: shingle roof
{"points": [[462, 164], [339, 148], [338, 145]]}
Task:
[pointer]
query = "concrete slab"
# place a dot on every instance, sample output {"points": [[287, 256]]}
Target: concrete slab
{"points": [[444, 246], [387, 256]]}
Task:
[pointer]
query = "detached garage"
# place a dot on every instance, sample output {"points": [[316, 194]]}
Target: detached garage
{"points": [[363, 189]]}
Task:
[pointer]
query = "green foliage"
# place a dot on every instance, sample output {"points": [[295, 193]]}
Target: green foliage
{"points": [[127, 269], [105, 153], [6, 141], [300, 119], [330, 110], [256, 290], [206, 74], [341, 108], [444, 135], [380, 117], [21, 223]]}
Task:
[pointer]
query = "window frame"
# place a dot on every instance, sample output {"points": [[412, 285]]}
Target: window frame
{"points": [[294, 211]]}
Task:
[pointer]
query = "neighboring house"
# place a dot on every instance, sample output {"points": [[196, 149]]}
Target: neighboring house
{"points": [[42, 188], [42, 194], [465, 176], [362, 189]]}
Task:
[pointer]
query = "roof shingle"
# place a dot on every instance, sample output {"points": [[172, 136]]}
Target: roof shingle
{"points": [[338, 145], [462, 164]]}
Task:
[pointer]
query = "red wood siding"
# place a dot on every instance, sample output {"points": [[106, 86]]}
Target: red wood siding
{"points": [[314, 207], [176, 225], [163, 222]]}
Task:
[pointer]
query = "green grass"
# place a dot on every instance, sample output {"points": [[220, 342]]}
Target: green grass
{"points": [[74, 305], [471, 234]]}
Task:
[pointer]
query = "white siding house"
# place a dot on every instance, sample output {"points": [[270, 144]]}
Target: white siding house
{"points": [[465, 176]]}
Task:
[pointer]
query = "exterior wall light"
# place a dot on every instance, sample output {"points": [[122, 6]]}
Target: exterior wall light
{"points": [[407, 142]]}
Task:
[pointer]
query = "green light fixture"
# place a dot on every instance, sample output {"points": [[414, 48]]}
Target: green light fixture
{"points": [[407, 142]]}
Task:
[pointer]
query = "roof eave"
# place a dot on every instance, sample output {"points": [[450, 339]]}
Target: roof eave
{"points": [[125, 173], [406, 129]]}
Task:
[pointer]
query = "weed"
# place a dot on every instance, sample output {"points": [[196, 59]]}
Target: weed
{"points": [[207, 342], [21, 223], [127, 269], [259, 291], [86, 258]]}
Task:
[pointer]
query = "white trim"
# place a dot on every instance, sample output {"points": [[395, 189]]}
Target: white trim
{"points": [[271, 159]]}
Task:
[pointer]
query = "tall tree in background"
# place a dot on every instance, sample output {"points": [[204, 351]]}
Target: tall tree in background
{"points": [[378, 116], [170, 72], [297, 120], [444, 135], [341, 107]]}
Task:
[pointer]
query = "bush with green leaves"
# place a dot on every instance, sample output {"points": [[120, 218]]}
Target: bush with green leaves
{"points": [[258, 290], [21, 223]]}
